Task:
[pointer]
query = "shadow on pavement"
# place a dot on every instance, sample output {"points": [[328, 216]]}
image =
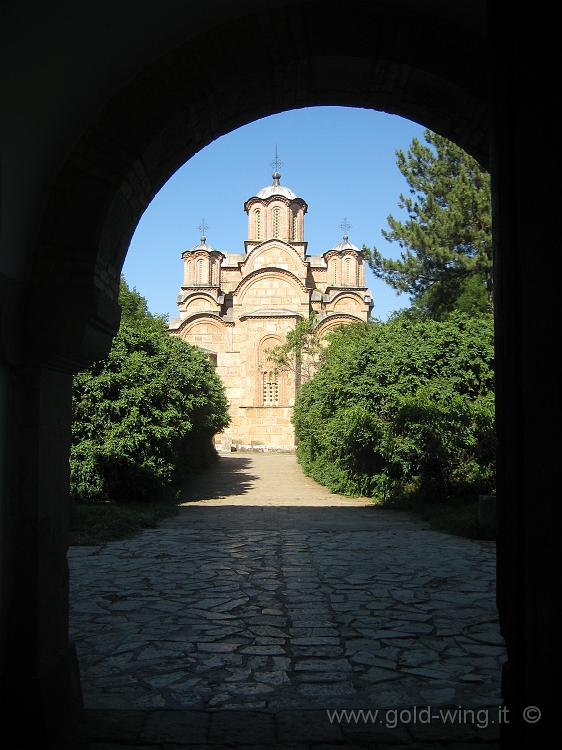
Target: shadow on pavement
{"points": [[229, 476]]}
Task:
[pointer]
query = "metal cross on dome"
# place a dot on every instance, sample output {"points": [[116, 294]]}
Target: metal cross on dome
{"points": [[203, 228], [345, 226], [276, 163]]}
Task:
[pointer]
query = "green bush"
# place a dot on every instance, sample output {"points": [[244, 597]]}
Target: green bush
{"points": [[144, 417], [404, 407]]}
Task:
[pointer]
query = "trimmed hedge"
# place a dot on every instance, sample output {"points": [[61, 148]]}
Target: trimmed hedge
{"points": [[402, 408]]}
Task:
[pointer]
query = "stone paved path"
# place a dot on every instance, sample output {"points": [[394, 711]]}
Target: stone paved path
{"points": [[269, 593]]}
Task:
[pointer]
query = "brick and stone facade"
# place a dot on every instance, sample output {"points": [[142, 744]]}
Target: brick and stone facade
{"points": [[237, 306]]}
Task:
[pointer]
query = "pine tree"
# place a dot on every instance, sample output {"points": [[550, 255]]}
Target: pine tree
{"points": [[446, 240]]}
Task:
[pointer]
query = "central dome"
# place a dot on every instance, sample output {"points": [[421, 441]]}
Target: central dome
{"points": [[276, 189]]}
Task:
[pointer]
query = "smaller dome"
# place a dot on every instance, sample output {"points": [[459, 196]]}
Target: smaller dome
{"points": [[345, 245], [276, 189], [203, 246]]}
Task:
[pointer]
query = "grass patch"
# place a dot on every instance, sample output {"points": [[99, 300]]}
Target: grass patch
{"points": [[459, 516], [100, 522]]}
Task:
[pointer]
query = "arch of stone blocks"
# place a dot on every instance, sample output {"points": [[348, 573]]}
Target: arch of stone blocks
{"points": [[430, 62], [270, 273], [334, 320], [262, 249], [176, 106], [209, 316]]}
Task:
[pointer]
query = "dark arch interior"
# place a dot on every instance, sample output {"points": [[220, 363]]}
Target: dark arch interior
{"points": [[435, 64], [178, 105]]}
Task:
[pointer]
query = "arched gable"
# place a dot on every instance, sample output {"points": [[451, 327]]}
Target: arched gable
{"points": [[206, 330], [347, 301], [274, 253], [275, 285], [198, 317], [200, 301], [335, 320]]}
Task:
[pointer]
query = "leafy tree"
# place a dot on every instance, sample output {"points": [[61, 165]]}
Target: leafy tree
{"points": [[402, 408], [143, 417], [134, 308], [301, 351], [446, 241]]}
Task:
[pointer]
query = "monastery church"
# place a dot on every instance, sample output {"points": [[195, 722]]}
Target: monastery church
{"points": [[238, 306]]}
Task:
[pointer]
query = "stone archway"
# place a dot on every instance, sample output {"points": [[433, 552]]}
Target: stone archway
{"points": [[176, 106], [427, 63]]}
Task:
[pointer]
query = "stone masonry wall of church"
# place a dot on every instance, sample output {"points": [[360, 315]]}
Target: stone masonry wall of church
{"points": [[238, 306]]}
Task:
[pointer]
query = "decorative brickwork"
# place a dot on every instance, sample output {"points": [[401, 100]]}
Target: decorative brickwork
{"points": [[239, 306]]}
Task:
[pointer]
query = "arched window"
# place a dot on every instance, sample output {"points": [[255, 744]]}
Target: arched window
{"points": [[188, 278], [214, 269], [270, 388], [257, 224], [276, 222], [334, 272], [200, 271], [347, 274], [295, 224]]}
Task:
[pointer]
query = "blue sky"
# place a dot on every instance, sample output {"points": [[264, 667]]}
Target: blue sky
{"points": [[340, 160]]}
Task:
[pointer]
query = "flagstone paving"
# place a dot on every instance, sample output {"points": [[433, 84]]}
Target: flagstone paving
{"points": [[269, 593]]}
